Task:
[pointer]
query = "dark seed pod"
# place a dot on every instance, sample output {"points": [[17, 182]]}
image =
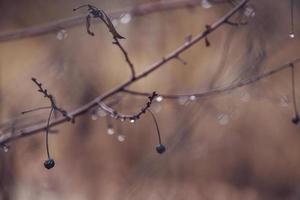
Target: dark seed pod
{"points": [[160, 148], [49, 163], [295, 119]]}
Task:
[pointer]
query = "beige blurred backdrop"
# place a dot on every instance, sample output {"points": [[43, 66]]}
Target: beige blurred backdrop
{"points": [[237, 145]]}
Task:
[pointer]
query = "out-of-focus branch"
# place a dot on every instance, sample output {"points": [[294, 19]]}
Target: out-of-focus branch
{"points": [[138, 10], [13, 135], [222, 89]]}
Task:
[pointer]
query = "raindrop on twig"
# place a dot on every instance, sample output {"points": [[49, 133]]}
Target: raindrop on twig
{"points": [[159, 99], [249, 11], [183, 100], [205, 4], [62, 34], [121, 138], [193, 98], [5, 148], [126, 18], [110, 131]]}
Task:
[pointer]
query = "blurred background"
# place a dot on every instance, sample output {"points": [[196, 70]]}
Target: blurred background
{"points": [[236, 145]]}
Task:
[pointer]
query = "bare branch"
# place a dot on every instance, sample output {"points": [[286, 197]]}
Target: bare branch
{"points": [[9, 136]]}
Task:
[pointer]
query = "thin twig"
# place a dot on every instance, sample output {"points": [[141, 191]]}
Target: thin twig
{"points": [[9, 136], [292, 17], [47, 133], [294, 92], [35, 109], [236, 23], [114, 114], [131, 66], [50, 97], [156, 125]]}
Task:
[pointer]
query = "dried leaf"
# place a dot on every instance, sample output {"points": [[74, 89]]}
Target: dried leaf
{"points": [[97, 13], [88, 25]]}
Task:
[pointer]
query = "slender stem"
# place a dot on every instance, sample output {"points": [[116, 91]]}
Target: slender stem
{"points": [[82, 6], [35, 109], [293, 89], [156, 124], [292, 16], [47, 133], [130, 64]]}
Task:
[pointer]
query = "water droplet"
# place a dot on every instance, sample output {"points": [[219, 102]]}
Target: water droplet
{"points": [[284, 101], [114, 115], [101, 112], [110, 131], [245, 96], [94, 117], [292, 35], [159, 99], [121, 138], [126, 18], [205, 4], [62, 34], [223, 119], [5, 148], [122, 119], [183, 100], [132, 121], [249, 11], [193, 98]]}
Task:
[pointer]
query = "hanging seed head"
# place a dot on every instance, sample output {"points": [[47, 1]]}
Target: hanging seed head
{"points": [[295, 119], [160, 148]]}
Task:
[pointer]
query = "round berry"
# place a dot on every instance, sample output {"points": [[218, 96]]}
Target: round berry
{"points": [[160, 148], [295, 119], [49, 163]]}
